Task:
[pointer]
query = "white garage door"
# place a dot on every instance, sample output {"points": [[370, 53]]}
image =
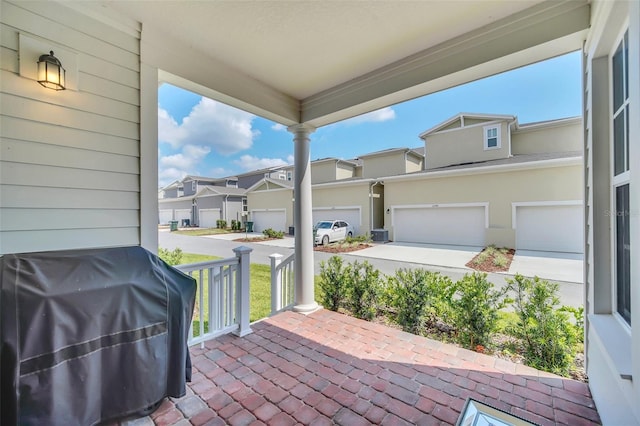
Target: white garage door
{"points": [[350, 215], [180, 214], [463, 226], [274, 219], [209, 217], [550, 228], [165, 216]]}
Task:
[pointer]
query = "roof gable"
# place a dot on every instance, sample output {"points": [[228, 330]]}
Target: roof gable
{"points": [[266, 184], [465, 119]]}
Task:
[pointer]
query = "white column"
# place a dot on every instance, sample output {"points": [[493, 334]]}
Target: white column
{"points": [[304, 292], [243, 290]]}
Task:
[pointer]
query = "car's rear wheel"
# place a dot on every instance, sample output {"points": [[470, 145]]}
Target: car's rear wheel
{"points": [[350, 234], [325, 240]]}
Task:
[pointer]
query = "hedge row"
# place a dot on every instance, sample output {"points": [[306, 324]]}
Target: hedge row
{"points": [[424, 302]]}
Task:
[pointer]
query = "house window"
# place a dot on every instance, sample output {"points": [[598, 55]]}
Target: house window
{"points": [[282, 177], [194, 185], [491, 137], [244, 205], [621, 177], [232, 183], [288, 175]]}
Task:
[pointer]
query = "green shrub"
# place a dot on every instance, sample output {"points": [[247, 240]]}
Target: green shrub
{"points": [[362, 290], [270, 233], [475, 309], [547, 335], [236, 225], [500, 260], [173, 258], [578, 320], [358, 239], [419, 298], [221, 224], [333, 278]]}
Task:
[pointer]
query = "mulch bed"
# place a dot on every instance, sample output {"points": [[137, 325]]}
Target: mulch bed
{"points": [[255, 239], [488, 265], [342, 248]]}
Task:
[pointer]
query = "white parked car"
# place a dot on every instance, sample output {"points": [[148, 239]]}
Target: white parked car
{"points": [[328, 231]]}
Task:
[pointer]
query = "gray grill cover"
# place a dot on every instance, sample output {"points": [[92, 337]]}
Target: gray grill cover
{"points": [[90, 335]]}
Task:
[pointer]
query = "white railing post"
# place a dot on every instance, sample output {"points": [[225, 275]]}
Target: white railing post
{"points": [[242, 286], [276, 283]]}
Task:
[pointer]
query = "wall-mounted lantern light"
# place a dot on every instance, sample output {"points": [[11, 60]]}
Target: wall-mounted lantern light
{"points": [[50, 72]]}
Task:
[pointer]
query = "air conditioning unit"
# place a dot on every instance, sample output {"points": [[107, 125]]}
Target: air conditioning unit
{"points": [[380, 235]]}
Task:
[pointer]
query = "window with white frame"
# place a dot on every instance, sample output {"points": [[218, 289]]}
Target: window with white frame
{"points": [[288, 175], [491, 137], [245, 208], [620, 178], [194, 185]]}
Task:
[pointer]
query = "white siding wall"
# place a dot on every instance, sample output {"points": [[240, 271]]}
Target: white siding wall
{"points": [[69, 160]]}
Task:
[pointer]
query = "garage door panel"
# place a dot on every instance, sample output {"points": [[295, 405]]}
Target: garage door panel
{"points": [[352, 216], [180, 214], [262, 220], [440, 225], [550, 228], [209, 217], [165, 216]]}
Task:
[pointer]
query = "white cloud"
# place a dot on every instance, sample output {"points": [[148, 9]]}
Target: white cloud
{"points": [[290, 159], [168, 129], [249, 162], [168, 175], [172, 167], [219, 172], [380, 115], [189, 158], [222, 128], [279, 127], [209, 127]]}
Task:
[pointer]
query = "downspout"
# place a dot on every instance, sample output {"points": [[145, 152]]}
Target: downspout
{"points": [[512, 123], [371, 205], [226, 197]]}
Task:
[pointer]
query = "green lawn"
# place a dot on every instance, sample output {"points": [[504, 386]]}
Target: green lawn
{"points": [[260, 291]]}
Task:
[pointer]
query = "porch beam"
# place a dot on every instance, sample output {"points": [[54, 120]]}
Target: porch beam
{"points": [[543, 31], [302, 220]]}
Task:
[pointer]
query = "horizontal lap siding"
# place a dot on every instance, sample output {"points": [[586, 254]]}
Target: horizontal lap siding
{"points": [[70, 160]]}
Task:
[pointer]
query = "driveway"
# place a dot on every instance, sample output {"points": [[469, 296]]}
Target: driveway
{"points": [[425, 254], [549, 265], [387, 258], [566, 267]]}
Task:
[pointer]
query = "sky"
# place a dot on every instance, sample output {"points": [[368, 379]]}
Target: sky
{"points": [[199, 136]]}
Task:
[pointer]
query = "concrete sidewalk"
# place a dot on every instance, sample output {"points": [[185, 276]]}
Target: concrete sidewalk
{"points": [[549, 265], [425, 254], [566, 267]]}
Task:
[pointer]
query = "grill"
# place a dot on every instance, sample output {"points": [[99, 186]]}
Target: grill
{"points": [[91, 335]]}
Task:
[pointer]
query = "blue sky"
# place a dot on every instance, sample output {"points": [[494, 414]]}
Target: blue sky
{"points": [[202, 137]]}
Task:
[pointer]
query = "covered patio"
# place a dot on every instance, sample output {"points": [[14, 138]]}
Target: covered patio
{"points": [[328, 368], [80, 171]]}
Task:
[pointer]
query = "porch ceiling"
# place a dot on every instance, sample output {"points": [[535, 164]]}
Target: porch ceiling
{"points": [[320, 62]]}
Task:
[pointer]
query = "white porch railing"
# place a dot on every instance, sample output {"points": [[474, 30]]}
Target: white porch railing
{"points": [[222, 300], [282, 282]]}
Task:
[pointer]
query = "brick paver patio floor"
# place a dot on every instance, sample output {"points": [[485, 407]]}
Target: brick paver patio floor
{"points": [[327, 368]]}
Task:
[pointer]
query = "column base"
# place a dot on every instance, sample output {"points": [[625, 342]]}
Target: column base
{"points": [[307, 309]]}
